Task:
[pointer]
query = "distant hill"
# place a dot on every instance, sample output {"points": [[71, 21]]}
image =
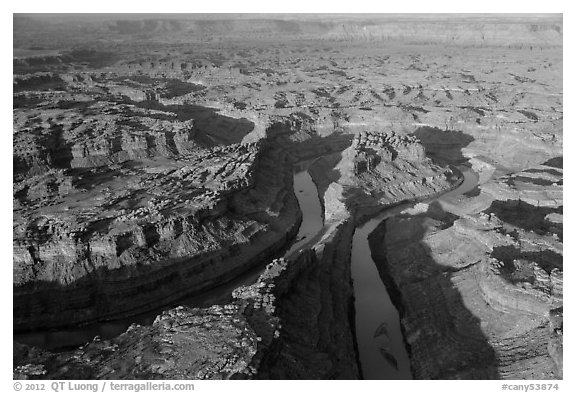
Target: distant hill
{"points": [[459, 29]]}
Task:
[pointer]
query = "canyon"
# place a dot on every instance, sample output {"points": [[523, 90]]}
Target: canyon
{"points": [[336, 197]]}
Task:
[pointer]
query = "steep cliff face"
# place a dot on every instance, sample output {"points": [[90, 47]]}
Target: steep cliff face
{"points": [[295, 322], [233, 341], [220, 342], [118, 216], [85, 140], [316, 340], [143, 267], [138, 178], [317, 317], [479, 282], [378, 170]]}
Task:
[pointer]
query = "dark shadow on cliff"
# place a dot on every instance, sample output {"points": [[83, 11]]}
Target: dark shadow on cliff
{"points": [[212, 128], [517, 263], [550, 171], [450, 341], [94, 289], [556, 162], [326, 153], [38, 83], [143, 295], [316, 341], [443, 146], [91, 293], [59, 151], [318, 146], [526, 216], [78, 57]]}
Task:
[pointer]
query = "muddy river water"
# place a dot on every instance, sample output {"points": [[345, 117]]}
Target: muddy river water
{"points": [[381, 348], [312, 222], [380, 343]]}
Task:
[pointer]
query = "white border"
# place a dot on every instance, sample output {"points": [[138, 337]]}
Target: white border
{"points": [[293, 6]]}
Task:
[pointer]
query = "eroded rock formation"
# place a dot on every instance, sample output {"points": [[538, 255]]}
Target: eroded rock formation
{"points": [[169, 217], [479, 283], [156, 161]]}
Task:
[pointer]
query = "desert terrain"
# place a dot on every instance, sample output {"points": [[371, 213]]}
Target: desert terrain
{"points": [[288, 197]]}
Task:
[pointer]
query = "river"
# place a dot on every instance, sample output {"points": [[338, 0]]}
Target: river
{"points": [[312, 222], [378, 334], [377, 320]]}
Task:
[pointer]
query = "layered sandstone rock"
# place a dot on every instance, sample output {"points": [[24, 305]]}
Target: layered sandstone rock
{"points": [[131, 155], [220, 342], [317, 343], [378, 170], [478, 292], [116, 215]]}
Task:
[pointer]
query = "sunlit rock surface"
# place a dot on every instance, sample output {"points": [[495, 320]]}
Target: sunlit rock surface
{"points": [[156, 162]]}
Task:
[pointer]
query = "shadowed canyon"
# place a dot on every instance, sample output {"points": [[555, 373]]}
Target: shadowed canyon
{"points": [[288, 196]]}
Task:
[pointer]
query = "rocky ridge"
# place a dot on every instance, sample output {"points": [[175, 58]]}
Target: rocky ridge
{"points": [[99, 224], [280, 342], [483, 278], [476, 100], [379, 170]]}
